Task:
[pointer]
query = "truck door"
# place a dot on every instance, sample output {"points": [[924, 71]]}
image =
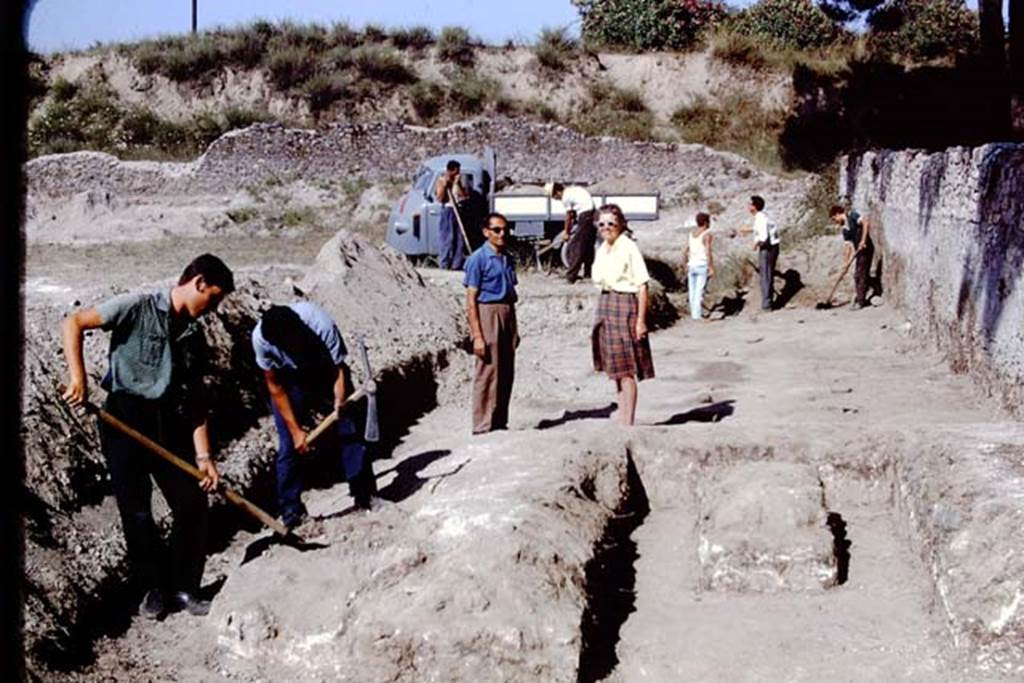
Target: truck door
{"points": [[432, 217]]}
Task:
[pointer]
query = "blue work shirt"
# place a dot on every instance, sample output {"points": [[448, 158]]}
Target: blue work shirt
{"points": [[493, 275], [270, 357]]}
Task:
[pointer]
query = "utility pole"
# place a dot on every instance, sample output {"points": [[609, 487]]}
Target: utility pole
{"points": [[194, 13]]}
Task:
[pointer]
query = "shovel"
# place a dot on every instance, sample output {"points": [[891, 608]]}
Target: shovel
{"points": [[233, 497], [462, 228], [827, 303]]}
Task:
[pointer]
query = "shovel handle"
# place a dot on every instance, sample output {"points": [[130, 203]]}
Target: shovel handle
{"points": [[185, 466], [838, 280], [329, 421]]}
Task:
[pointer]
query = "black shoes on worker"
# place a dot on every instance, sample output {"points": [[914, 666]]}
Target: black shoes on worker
{"points": [[154, 607], [188, 602]]}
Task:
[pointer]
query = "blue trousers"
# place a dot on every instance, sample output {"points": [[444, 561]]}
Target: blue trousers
{"points": [[452, 249], [349, 450], [697, 280]]}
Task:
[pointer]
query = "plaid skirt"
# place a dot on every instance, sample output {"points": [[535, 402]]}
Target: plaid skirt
{"points": [[616, 349]]}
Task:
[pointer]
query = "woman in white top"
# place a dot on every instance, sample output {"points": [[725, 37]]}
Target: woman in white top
{"points": [[619, 338], [698, 263]]}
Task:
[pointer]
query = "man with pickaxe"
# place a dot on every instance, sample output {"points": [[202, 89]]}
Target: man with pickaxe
{"points": [[154, 384], [303, 358]]}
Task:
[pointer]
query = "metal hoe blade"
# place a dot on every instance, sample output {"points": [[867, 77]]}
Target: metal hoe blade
{"points": [[372, 431]]}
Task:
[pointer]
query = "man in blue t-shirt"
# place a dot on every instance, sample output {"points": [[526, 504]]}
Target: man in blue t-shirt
{"points": [[856, 233], [302, 355], [490, 282]]}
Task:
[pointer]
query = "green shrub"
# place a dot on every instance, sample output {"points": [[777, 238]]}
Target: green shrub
{"points": [[470, 93], [64, 90], [454, 45], [238, 117], [87, 118], [344, 35], [615, 112], [540, 109], [648, 24], [374, 33], [310, 37], [427, 99], [789, 23], [291, 67], [243, 214], [246, 46], [735, 122], [381, 64], [923, 29], [185, 58], [338, 58], [737, 49], [323, 90], [414, 38], [140, 127], [554, 48]]}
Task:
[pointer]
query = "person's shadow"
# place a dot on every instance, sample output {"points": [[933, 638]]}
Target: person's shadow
{"points": [[792, 283], [572, 415], [716, 412], [729, 306]]}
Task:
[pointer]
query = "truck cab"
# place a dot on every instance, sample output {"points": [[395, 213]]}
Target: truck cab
{"points": [[414, 221]]}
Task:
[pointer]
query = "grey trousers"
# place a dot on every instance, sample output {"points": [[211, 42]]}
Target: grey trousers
{"points": [[768, 255]]}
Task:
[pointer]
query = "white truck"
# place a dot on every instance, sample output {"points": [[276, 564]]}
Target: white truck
{"points": [[536, 220]]}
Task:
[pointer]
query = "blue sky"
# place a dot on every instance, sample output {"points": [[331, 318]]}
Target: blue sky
{"points": [[75, 24]]}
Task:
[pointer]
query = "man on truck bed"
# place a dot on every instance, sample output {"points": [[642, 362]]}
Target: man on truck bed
{"points": [[579, 208], [452, 250]]}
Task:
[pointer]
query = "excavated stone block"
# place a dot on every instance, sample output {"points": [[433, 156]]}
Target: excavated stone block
{"points": [[763, 528]]}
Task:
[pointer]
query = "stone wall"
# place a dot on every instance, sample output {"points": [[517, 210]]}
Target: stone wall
{"points": [[951, 229], [383, 151]]}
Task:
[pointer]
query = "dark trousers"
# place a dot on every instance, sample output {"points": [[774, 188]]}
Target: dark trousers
{"points": [[581, 246], [495, 373], [352, 459], [768, 255], [452, 249], [181, 566], [862, 271]]}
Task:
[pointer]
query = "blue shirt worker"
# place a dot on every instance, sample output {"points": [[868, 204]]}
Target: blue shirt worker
{"points": [[302, 355], [154, 383], [490, 282]]}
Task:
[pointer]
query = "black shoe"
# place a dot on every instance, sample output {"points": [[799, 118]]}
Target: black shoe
{"points": [[152, 606], [183, 600]]}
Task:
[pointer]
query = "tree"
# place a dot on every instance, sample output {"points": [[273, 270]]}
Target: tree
{"points": [[1017, 64], [992, 34]]}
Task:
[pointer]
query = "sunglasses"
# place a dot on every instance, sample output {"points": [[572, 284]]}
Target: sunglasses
{"points": [[497, 230], [606, 224]]}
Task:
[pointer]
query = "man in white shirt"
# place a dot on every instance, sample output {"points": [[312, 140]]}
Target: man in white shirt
{"points": [[579, 208], [766, 242]]}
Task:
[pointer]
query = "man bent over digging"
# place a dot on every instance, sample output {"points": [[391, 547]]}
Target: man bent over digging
{"points": [[303, 358], [155, 385]]}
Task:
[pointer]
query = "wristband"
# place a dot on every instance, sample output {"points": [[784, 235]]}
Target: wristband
{"points": [[202, 457]]}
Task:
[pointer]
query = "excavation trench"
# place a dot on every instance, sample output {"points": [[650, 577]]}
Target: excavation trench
{"points": [[711, 573], [409, 391]]}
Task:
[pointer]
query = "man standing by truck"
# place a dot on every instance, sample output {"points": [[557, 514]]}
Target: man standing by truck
{"points": [[449, 190], [491, 306], [579, 209]]}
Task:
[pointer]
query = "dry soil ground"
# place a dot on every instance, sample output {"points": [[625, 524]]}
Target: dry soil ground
{"points": [[839, 395]]}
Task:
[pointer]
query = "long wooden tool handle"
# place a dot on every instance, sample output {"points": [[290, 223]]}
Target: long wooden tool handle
{"points": [[329, 421], [186, 466], [462, 228], [838, 280]]}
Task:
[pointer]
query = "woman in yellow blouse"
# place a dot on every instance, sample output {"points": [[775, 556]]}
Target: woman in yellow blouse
{"points": [[619, 339]]}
